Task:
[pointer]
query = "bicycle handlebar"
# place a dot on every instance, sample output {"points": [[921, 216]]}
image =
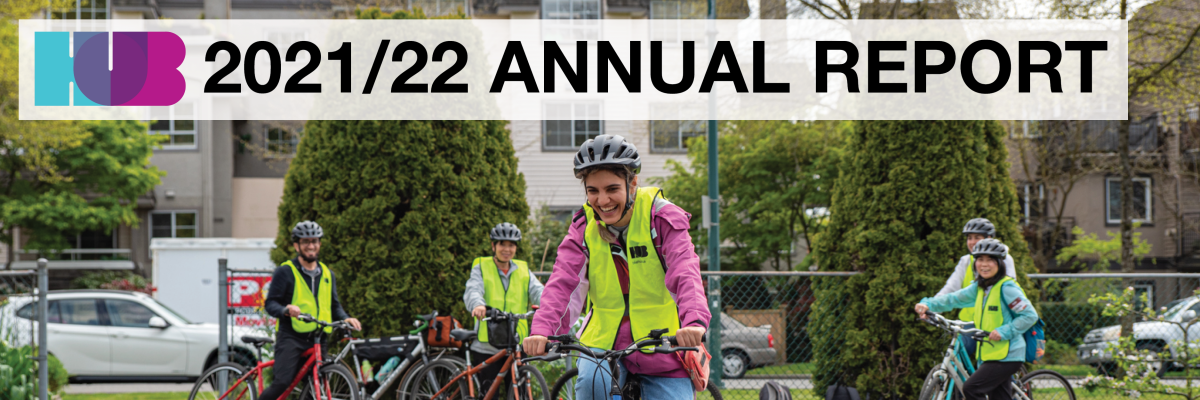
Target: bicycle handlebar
{"points": [[496, 313], [562, 343], [956, 327], [339, 324]]}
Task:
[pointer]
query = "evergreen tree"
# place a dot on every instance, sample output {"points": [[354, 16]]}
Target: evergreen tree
{"points": [[906, 189]]}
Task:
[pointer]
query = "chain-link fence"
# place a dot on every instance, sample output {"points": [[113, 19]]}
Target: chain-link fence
{"points": [[1079, 335], [243, 313], [764, 332], [22, 335]]}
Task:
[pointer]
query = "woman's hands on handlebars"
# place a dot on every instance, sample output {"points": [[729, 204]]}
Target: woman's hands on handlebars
{"points": [[534, 345], [921, 309]]}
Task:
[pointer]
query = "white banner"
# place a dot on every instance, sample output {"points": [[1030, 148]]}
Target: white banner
{"points": [[574, 70]]}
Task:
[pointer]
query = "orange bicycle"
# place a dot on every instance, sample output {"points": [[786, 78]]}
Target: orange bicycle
{"points": [[326, 379], [444, 380]]}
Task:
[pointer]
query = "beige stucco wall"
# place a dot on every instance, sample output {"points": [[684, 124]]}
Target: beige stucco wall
{"points": [[255, 205]]}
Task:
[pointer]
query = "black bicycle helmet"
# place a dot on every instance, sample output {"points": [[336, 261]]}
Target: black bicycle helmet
{"points": [[981, 226], [990, 247], [306, 229], [506, 231], [607, 150]]}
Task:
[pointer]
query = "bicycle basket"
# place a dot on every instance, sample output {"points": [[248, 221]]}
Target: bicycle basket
{"points": [[381, 349], [502, 332]]}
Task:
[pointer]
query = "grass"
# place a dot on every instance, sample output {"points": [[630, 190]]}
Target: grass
{"points": [[1067, 370], [128, 396]]}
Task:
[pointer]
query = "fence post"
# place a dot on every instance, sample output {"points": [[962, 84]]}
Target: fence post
{"points": [[223, 310], [43, 308]]}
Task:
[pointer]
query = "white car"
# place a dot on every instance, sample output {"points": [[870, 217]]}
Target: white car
{"points": [[110, 335], [1156, 336]]}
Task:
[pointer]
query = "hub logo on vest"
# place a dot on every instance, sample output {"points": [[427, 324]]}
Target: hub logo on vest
{"points": [[638, 252], [144, 69]]}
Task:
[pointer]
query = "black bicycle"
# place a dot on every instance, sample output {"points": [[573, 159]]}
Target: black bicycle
{"points": [[564, 387]]}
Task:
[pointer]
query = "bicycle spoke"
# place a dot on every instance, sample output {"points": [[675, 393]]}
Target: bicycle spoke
{"points": [[221, 383]]}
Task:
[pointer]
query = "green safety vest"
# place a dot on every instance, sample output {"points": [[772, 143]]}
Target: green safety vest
{"points": [[650, 303], [989, 319], [514, 300], [302, 297], [968, 314]]}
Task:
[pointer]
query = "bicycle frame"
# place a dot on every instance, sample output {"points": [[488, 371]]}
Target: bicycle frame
{"points": [[510, 364], [313, 359], [957, 360]]}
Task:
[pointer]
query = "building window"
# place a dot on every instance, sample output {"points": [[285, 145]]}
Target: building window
{"points": [[282, 141], [1142, 200], [176, 123], [93, 240], [568, 125], [1032, 201], [672, 136], [83, 10], [577, 20], [173, 224], [671, 31]]}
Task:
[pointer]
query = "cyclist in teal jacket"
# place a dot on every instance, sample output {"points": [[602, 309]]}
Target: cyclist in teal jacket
{"points": [[1006, 312]]}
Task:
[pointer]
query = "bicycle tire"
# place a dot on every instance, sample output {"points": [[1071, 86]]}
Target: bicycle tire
{"points": [[403, 388], [714, 391], [1059, 387], [933, 388], [430, 380], [531, 385], [205, 387], [566, 381]]}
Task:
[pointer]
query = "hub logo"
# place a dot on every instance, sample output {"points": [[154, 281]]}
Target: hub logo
{"points": [[144, 73]]}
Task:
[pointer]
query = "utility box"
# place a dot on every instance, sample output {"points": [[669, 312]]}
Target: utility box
{"points": [[185, 272]]}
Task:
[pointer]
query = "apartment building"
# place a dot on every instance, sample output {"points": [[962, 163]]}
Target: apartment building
{"points": [[225, 178]]}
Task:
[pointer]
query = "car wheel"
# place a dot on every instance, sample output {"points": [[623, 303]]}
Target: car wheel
{"points": [[1153, 361], [734, 363]]}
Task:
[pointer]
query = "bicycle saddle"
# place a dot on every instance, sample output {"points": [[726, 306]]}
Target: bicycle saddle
{"points": [[463, 335], [257, 341]]}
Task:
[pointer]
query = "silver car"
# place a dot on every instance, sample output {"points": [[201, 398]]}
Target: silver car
{"points": [[1155, 336], [744, 348]]}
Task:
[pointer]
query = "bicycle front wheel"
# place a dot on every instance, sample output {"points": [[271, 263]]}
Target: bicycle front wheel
{"points": [[712, 391], [429, 381], [564, 387], [221, 382], [934, 387], [1046, 385], [531, 385], [404, 388]]}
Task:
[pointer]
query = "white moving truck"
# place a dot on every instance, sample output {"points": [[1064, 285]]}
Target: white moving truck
{"points": [[185, 273]]}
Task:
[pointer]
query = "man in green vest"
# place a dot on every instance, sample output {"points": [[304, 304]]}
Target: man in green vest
{"points": [[302, 285], [1001, 308], [502, 283]]}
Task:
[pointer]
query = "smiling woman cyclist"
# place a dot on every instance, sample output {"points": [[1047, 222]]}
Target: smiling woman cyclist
{"points": [[1000, 307], [628, 253]]}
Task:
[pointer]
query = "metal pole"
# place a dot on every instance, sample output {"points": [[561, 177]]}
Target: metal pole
{"points": [[222, 313], [714, 231], [43, 309], [222, 317]]}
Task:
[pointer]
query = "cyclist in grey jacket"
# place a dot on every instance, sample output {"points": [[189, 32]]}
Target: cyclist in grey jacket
{"points": [[976, 229]]}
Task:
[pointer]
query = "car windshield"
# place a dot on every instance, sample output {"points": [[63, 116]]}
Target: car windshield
{"points": [[1175, 307], [168, 309]]}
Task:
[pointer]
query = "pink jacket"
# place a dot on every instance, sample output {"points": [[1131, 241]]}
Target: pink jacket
{"points": [[563, 298]]}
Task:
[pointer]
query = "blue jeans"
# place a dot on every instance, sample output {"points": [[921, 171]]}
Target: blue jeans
{"points": [[594, 383]]}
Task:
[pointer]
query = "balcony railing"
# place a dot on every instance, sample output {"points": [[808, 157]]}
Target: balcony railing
{"points": [[77, 259]]}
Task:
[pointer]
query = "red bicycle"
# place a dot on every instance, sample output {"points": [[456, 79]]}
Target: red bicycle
{"points": [[326, 379]]}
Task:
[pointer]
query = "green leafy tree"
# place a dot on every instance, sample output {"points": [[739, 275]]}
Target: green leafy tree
{"points": [[87, 177], [897, 214], [545, 231], [771, 173]]}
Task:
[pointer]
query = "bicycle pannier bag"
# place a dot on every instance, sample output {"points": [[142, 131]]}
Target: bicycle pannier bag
{"points": [[438, 334], [380, 349], [695, 363]]}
